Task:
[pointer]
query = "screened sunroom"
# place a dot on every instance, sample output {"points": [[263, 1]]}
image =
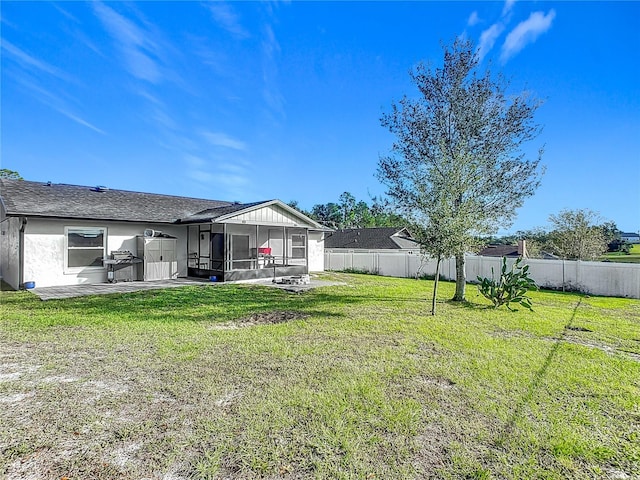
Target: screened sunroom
{"points": [[263, 240]]}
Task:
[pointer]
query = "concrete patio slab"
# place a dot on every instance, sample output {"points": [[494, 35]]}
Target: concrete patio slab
{"points": [[71, 291]]}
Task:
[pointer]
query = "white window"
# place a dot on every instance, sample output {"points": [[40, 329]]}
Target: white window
{"points": [[85, 247], [298, 246]]}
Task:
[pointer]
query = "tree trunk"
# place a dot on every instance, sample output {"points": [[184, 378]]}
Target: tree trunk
{"points": [[435, 287], [460, 278]]}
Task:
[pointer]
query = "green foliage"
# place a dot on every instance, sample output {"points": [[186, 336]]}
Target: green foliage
{"points": [[576, 235], [11, 174], [361, 271], [511, 287], [351, 213], [456, 166]]}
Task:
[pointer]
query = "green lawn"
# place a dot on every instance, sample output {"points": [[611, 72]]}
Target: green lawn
{"points": [[354, 381], [633, 257]]}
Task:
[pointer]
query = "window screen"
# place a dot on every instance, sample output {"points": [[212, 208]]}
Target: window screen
{"points": [[85, 247], [298, 245]]}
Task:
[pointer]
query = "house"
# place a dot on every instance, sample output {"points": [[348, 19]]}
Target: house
{"points": [[630, 237], [510, 251], [58, 234], [371, 239]]}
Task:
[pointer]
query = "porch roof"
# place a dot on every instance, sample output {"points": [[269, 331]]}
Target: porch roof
{"points": [[270, 212]]}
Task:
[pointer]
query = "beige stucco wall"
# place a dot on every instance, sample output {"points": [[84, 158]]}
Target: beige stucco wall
{"points": [[316, 251], [44, 249]]}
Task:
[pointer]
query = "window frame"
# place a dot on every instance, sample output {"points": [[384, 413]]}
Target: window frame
{"points": [[302, 247], [74, 270]]}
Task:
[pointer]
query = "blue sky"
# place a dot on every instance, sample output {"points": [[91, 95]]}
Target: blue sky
{"points": [[250, 101]]}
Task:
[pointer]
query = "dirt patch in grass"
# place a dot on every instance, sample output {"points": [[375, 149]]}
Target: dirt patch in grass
{"points": [[632, 355], [263, 318], [578, 329], [590, 344]]}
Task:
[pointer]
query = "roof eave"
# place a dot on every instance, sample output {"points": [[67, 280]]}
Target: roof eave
{"points": [[72, 217], [225, 218]]}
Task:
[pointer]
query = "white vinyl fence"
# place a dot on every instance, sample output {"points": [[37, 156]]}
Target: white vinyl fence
{"points": [[595, 278]]}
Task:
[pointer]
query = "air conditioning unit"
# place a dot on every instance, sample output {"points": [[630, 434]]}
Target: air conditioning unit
{"points": [[149, 232]]}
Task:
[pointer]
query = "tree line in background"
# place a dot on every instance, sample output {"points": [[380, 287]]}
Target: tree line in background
{"points": [[573, 234], [348, 212]]}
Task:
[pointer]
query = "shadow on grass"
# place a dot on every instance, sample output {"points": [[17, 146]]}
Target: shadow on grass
{"points": [[183, 304], [469, 305], [203, 303], [538, 377]]}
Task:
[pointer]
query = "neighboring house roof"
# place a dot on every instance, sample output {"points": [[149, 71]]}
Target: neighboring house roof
{"points": [[513, 251], [499, 251], [37, 199], [371, 238], [629, 235]]}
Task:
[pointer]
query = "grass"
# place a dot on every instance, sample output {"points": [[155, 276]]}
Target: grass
{"points": [[621, 257], [353, 381]]}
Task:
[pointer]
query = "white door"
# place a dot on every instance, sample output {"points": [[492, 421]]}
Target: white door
{"points": [[153, 264], [276, 242], [169, 258]]}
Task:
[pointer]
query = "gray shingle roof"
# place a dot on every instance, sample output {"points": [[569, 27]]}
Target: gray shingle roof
{"points": [[213, 213], [499, 251], [369, 238], [22, 197]]}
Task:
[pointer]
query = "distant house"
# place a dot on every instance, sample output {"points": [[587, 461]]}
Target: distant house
{"points": [[371, 239], [58, 234], [509, 251], [630, 237]]}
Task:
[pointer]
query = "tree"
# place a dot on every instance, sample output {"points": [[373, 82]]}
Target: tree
{"points": [[610, 231], [347, 207], [383, 214], [460, 141], [350, 213], [328, 214], [437, 236], [11, 174], [296, 206], [576, 235]]}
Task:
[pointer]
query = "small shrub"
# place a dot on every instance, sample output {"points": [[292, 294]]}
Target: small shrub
{"points": [[512, 287], [362, 271], [431, 276]]}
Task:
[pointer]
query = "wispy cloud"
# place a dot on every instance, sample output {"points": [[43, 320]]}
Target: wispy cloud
{"points": [[136, 45], [227, 18], [271, 93], [78, 120], [526, 32], [65, 13], [508, 5], [230, 179], [473, 19], [55, 102], [82, 37], [31, 69], [31, 62], [219, 139], [489, 36], [488, 39]]}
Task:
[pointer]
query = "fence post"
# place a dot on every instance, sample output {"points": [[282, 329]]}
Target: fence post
{"points": [[406, 265]]}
